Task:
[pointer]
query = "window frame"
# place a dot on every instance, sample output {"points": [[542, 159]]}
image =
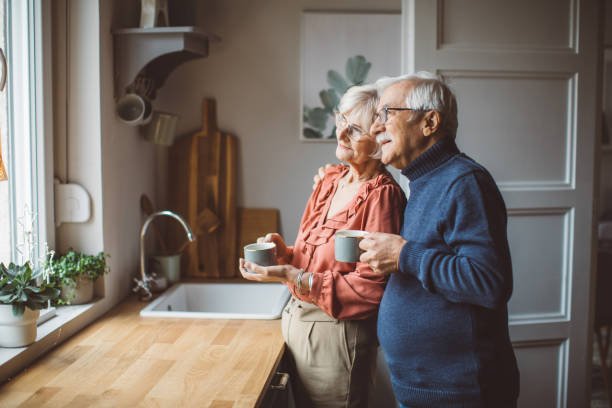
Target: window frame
{"points": [[29, 112]]}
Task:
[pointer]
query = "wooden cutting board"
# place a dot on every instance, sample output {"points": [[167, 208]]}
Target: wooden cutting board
{"points": [[254, 223], [227, 207], [203, 187], [209, 180]]}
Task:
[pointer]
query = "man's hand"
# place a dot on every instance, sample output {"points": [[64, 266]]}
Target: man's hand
{"points": [[382, 251], [320, 175]]}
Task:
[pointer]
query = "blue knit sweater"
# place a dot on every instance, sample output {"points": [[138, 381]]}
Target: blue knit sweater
{"points": [[443, 320]]}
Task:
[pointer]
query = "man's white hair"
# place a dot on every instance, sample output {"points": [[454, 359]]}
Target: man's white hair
{"points": [[430, 92]]}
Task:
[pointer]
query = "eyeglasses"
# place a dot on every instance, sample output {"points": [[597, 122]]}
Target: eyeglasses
{"points": [[383, 114], [354, 132]]}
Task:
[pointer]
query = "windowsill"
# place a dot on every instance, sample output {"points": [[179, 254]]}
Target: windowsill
{"points": [[48, 335]]}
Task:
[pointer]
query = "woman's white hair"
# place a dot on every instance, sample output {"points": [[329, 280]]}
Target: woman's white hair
{"points": [[430, 92], [360, 103]]}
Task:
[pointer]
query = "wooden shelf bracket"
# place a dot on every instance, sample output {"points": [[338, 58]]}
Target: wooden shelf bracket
{"points": [[153, 53]]}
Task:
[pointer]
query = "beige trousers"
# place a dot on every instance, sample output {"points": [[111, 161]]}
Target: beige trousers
{"points": [[333, 360]]}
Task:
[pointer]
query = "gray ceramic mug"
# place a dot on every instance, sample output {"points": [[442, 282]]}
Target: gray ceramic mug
{"points": [[263, 254], [346, 245]]}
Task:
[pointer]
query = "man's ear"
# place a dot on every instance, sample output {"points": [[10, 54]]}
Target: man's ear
{"points": [[431, 122]]}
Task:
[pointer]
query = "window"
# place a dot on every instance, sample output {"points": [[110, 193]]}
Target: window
{"points": [[27, 147], [25, 195], [5, 230]]}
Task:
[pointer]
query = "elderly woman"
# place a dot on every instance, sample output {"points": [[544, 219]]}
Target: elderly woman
{"points": [[329, 324]]}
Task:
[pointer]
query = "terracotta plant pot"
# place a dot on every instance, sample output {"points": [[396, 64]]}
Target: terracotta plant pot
{"points": [[79, 294], [17, 331]]}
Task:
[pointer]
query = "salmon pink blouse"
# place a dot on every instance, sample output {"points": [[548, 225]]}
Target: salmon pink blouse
{"points": [[345, 290]]}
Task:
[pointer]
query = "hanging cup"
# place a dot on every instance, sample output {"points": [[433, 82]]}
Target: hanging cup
{"points": [[134, 110]]}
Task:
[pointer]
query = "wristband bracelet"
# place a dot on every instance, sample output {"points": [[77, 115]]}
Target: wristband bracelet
{"points": [[298, 281]]}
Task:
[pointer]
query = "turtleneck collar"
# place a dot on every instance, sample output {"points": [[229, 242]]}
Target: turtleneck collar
{"points": [[431, 158]]}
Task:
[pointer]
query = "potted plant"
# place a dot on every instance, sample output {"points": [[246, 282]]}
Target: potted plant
{"points": [[75, 274], [23, 293]]}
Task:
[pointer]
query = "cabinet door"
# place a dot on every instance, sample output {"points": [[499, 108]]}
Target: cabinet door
{"points": [[279, 393]]}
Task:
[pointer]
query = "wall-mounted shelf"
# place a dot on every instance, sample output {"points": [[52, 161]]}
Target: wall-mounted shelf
{"points": [[155, 52]]}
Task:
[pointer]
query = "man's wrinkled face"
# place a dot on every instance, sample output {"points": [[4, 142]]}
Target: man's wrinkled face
{"points": [[400, 136]]}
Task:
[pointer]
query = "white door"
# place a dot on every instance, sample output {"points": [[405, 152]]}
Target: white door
{"points": [[525, 76]]}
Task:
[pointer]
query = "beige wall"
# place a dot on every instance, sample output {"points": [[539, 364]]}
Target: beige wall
{"points": [[128, 163], [93, 148], [254, 74], [76, 100]]}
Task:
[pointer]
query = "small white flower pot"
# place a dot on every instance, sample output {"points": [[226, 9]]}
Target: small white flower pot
{"points": [[17, 331], [79, 294]]}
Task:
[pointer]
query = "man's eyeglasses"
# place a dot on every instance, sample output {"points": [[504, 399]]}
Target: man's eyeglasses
{"points": [[383, 114], [353, 131]]}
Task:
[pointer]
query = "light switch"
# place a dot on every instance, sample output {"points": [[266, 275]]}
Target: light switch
{"points": [[72, 203]]}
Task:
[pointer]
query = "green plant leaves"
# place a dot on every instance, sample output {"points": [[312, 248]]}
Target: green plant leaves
{"points": [[69, 267], [357, 69], [336, 81], [19, 288], [316, 119], [311, 133], [18, 309], [329, 99], [305, 113]]}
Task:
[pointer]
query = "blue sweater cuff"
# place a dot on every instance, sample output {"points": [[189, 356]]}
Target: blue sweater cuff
{"points": [[410, 258]]}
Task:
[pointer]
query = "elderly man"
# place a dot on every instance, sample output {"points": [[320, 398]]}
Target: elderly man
{"points": [[443, 320]]}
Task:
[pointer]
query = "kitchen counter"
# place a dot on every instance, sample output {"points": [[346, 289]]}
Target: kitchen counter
{"points": [[126, 360]]}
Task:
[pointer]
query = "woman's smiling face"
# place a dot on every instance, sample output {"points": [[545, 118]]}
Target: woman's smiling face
{"points": [[355, 144]]}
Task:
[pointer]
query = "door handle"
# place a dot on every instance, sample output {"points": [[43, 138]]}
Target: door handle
{"points": [[280, 381]]}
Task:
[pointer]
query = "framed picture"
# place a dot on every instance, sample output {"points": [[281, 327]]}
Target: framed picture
{"points": [[340, 50]]}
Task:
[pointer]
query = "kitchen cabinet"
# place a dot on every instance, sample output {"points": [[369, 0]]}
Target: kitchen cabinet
{"points": [[279, 393]]}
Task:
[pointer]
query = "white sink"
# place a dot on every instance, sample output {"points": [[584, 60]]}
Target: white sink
{"points": [[220, 301]]}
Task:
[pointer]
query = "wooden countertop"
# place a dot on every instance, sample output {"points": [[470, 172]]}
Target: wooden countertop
{"points": [[124, 360]]}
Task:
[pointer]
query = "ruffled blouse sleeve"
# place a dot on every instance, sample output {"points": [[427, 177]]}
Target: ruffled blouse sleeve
{"points": [[352, 290]]}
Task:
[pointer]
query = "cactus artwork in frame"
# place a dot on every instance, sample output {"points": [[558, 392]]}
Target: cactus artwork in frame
{"points": [[340, 50]]}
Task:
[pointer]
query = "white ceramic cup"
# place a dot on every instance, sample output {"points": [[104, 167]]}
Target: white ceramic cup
{"points": [[169, 266], [162, 128], [346, 245], [134, 110], [263, 254]]}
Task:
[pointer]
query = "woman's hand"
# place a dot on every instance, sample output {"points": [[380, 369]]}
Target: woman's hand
{"points": [[283, 255], [276, 273]]}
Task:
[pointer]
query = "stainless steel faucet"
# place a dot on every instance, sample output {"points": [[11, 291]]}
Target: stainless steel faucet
{"points": [[143, 285]]}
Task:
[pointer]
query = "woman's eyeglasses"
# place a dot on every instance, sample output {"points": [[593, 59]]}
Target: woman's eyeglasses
{"points": [[353, 131]]}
